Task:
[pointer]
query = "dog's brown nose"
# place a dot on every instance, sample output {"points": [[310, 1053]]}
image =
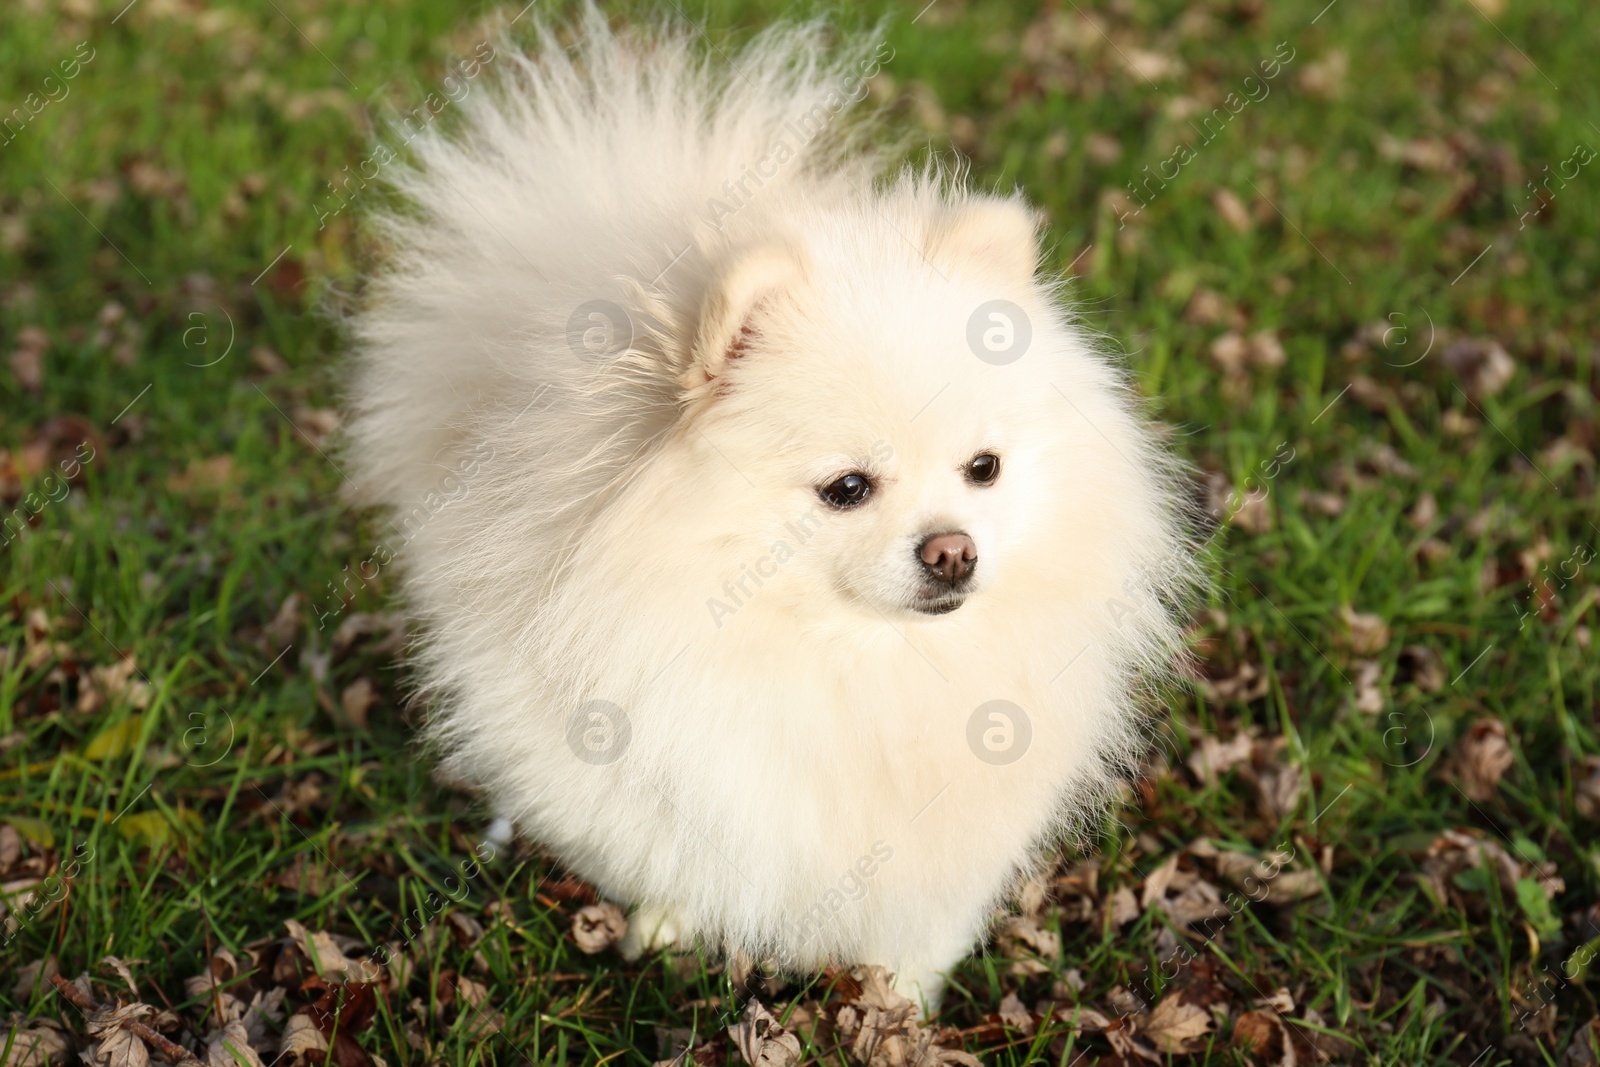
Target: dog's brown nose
{"points": [[949, 557]]}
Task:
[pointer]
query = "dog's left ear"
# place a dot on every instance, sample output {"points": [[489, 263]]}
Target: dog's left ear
{"points": [[999, 235], [730, 317]]}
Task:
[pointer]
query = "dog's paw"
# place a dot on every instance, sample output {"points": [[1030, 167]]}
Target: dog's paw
{"points": [[500, 832], [923, 986], [651, 928]]}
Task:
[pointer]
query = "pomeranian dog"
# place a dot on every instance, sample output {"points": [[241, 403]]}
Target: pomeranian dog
{"points": [[788, 562]]}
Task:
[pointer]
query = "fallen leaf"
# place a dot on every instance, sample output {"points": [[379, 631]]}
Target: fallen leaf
{"points": [[42, 1043], [1283, 884], [1482, 364], [1482, 757], [1364, 634], [1232, 210], [1014, 1014], [1027, 942], [597, 927], [1586, 794], [231, 1048], [1261, 1035], [1456, 851], [10, 847], [33, 976], [761, 1040], [1211, 757], [1369, 690], [1124, 907], [301, 1041], [357, 698], [1423, 667], [203, 474], [328, 956], [122, 971], [316, 424], [1280, 1001], [27, 359], [116, 1046], [1173, 1023]]}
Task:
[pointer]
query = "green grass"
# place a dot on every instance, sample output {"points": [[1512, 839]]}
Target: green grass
{"points": [[193, 149]]}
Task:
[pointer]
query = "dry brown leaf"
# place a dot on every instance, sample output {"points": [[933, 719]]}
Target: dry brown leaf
{"points": [[1156, 882], [1261, 1035], [122, 971], [267, 361], [231, 1048], [1212, 757], [316, 424], [1230, 352], [301, 1041], [41, 1043], [10, 847], [1314, 1045], [1015, 1015], [363, 624], [1232, 210], [1364, 634], [203, 474], [1321, 501], [357, 698], [1453, 851], [1173, 1023], [1369, 690], [27, 359], [1265, 349], [1247, 683], [597, 927], [1195, 903], [1423, 153], [761, 1040], [1280, 1001], [1124, 907], [1586, 794], [1482, 757], [1483, 364], [1424, 512], [1423, 667], [115, 1046], [1282, 884], [328, 955], [285, 625], [1026, 941], [1325, 77], [105, 685], [34, 975]]}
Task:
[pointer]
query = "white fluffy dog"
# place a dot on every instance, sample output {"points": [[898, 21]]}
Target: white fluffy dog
{"points": [[789, 564]]}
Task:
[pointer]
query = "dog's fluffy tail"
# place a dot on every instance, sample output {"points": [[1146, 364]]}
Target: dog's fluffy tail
{"points": [[579, 179]]}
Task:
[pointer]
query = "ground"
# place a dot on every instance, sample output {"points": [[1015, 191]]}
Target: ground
{"points": [[1349, 252]]}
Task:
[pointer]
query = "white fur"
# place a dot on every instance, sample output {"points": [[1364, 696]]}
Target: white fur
{"points": [[601, 506]]}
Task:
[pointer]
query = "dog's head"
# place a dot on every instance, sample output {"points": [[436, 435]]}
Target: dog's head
{"points": [[891, 416]]}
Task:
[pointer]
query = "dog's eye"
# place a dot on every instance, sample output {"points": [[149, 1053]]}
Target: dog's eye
{"points": [[847, 492], [984, 468]]}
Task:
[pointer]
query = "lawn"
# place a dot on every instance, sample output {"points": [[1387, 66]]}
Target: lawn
{"points": [[1350, 254]]}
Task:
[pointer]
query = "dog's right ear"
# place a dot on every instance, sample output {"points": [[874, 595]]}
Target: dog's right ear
{"points": [[997, 234], [731, 314]]}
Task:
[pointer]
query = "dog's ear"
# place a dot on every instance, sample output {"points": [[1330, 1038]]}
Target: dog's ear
{"points": [[989, 233], [730, 317]]}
